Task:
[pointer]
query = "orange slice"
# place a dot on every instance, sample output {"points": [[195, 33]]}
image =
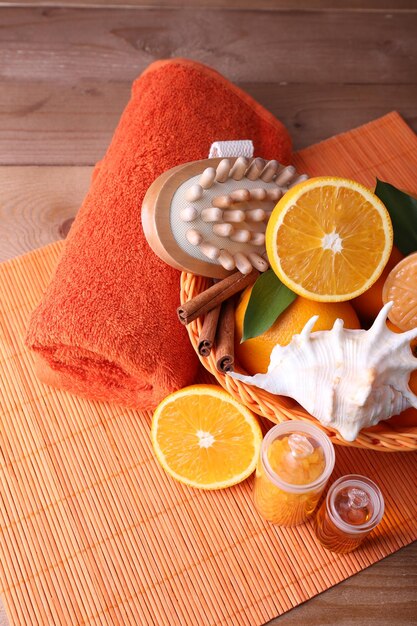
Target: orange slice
{"points": [[400, 287], [205, 438], [328, 239]]}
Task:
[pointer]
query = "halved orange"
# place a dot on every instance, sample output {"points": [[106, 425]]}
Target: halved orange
{"points": [[205, 438], [328, 239], [400, 287]]}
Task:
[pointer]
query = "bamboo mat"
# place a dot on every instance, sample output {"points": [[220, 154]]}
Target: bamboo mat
{"points": [[92, 530]]}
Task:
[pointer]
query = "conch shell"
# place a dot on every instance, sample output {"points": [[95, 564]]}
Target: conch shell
{"points": [[347, 379]]}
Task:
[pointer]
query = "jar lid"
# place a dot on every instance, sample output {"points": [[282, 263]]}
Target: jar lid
{"points": [[297, 456], [355, 504]]}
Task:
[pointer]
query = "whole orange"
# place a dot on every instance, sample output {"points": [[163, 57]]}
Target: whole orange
{"points": [[369, 303], [253, 354], [409, 416]]}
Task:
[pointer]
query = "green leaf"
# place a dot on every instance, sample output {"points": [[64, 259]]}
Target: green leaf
{"points": [[269, 298], [403, 211]]}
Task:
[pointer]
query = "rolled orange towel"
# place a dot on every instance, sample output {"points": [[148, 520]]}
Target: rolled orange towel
{"points": [[106, 327]]}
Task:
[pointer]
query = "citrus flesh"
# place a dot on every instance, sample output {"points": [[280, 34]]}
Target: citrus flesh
{"points": [[254, 354], [205, 438], [328, 239]]}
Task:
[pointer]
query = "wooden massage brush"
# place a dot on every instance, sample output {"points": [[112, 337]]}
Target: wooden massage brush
{"points": [[209, 217]]}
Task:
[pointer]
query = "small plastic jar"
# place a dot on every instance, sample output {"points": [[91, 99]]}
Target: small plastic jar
{"points": [[354, 505], [295, 462]]}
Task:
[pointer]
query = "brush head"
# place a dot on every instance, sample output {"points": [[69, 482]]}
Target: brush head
{"points": [[209, 217]]}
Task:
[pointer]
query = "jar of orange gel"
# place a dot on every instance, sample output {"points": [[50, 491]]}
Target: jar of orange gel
{"points": [[295, 463], [353, 507]]}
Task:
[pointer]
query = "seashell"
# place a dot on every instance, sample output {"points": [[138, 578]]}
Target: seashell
{"points": [[347, 379]]}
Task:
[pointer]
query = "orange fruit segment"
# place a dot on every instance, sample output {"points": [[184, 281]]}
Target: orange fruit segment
{"points": [[205, 438], [328, 239], [400, 287], [295, 471], [254, 354]]}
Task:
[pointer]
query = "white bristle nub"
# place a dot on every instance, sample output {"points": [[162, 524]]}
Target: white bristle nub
{"points": [[207, 178], [255, 215], [258, 262], [234, 215], [269, 171], [223, 230], [257, 239], [213, 214], [242, 263], [194, 193], [223, 170], [222, 202], [241, 236], [194, 237], [255, 169], [285, 176], [258, 194], [210, 251], [188, 214], [297, 180], [274, 194], [226, 260], [240, 195], [239, 168]]}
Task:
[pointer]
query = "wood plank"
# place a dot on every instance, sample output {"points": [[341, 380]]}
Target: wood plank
{"points": [[311, 47], [48, 123], [273, 5], [382, 595], [37, 205]]}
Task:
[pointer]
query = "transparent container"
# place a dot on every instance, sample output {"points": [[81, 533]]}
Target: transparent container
{"points": [[354, 505], [295, 462]]}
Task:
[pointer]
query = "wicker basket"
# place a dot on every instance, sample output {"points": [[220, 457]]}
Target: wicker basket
{"points": [[384, 437]]}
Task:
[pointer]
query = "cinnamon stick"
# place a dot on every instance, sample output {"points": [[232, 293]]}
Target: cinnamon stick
{"points": [[225, 338], [208, 332], [215, 295]]}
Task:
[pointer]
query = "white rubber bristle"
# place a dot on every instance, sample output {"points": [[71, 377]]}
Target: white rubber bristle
{"points": [[223, 230], [194, 237], [257, 239], [207, 178], [226, 260], [188, 214], [285, 176], [241, 236], [194, 193], [255, 169], [210, 251], [242, 263], [239, 168], [240, 195], [255, 215], [258, 262], [274, 194], [234, 216], [269, 171], [222, 202], [223, 170]]}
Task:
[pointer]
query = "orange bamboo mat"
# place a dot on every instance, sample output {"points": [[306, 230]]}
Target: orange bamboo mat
{"points": [[93, 532]]}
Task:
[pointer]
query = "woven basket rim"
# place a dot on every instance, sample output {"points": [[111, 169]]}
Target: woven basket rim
{"points": [[383, 437]]}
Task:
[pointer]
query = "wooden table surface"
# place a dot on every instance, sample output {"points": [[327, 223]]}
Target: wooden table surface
{"points": [[66, 68]]}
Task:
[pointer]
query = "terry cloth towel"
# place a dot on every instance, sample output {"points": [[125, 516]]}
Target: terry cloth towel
{"points": [[106, 327]]}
